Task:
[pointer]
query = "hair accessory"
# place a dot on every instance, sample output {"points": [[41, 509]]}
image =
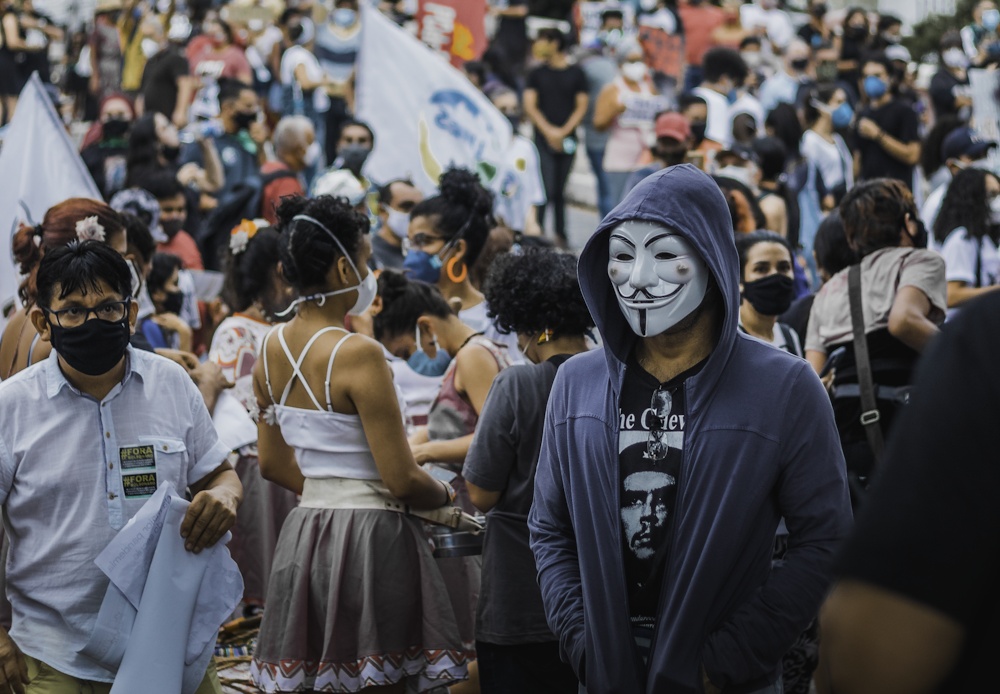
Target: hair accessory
{"points": [[89, 229], [240, 236], [546, 336]]}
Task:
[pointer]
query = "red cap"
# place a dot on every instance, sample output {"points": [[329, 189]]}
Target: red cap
{"points": [[672, 124]]}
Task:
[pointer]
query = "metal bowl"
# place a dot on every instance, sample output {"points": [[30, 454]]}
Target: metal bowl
{"points": [[456, 543]]}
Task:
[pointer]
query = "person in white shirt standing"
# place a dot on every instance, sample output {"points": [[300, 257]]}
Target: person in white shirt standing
{"points": [[86, 437], [724, 71], [518, 187], [963, 231]]}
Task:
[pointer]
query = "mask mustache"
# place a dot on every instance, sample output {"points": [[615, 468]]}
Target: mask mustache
{"points": [[647, 296]]}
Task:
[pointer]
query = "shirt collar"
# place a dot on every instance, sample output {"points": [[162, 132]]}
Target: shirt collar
{"points": [[55, 378]]}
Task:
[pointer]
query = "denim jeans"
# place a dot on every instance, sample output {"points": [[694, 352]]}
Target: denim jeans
{"points": [[596, 157]]}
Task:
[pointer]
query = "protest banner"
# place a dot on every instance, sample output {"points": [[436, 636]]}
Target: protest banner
{"points": [[39, 167], [426, 115], [664, 52]]}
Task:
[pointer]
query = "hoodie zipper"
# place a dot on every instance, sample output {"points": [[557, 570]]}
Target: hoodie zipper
{"points": [[670, 545]]}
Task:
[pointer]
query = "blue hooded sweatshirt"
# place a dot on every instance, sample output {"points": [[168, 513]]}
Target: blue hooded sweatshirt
{"points": [[760, 443]]}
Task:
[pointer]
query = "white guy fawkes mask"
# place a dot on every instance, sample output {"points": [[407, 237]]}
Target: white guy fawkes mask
{"points": [[658, 275]]}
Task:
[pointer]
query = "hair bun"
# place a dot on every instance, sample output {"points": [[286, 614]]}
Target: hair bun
{"points": [[461, 187], [392, 285]]}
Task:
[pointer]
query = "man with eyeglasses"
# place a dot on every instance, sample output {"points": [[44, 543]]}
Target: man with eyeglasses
{"points": [[669, 458], [86, 437]]}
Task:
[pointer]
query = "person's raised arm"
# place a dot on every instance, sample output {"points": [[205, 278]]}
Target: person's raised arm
{"points": [[369, 386], [185, 92], [908, 318]]}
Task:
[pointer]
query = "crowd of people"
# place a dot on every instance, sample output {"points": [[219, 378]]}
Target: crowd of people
{"points": [[731, 444]]}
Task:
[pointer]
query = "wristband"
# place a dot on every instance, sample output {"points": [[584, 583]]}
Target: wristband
{"points": [[450, 492]]}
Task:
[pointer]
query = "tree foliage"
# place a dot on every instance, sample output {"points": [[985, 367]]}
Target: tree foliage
{"points": [[927, 34]]}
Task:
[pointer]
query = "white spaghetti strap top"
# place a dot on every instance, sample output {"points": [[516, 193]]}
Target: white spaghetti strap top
{"points": [[326, 443]]}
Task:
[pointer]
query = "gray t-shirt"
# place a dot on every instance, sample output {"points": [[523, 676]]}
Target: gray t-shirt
{"points": [[385, 255], [503, 458]]}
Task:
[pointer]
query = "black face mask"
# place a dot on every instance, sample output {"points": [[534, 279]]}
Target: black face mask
{"points": [[800, 65], [243, 119], [115, 129], [352, 158], [174, 302], [818, 10], [514, 119], [172, 226], [170, 153], [93, 348], [855, 33], [698, 133], [771, 295]]}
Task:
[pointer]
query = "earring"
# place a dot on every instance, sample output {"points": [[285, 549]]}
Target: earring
{"points": [[451, 271]]}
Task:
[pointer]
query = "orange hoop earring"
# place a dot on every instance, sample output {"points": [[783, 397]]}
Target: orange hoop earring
{"points": [[451, 271]]}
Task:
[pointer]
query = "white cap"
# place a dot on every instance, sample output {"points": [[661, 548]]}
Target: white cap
{"points": [[897, 52], [340, 183]]}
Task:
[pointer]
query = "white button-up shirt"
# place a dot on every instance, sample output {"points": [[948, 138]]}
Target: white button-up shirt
{"points": [[73, 471]]}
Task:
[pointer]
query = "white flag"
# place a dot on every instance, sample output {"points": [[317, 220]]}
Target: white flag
{"points": [[426, 114], [39, 167]]}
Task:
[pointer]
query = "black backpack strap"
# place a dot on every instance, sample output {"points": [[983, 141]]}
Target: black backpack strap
{"points": [[979, 263], [869, 409]]}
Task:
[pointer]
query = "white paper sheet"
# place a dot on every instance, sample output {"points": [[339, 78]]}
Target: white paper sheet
{"points": [[160, 617], [232, 422]]}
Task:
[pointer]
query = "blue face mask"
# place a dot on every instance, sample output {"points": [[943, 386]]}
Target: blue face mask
{"points": [[732, 96], [991, 19], [874, 87], [842, 116], [420, 362], [420, 265], [343, 17], [425, 366]]}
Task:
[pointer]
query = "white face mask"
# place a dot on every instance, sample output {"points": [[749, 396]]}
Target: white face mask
{"points": [[658, 275], [955, 58], [367, 287], [743, 174], [995, 210], [312, 154], [150, 47], [398, 222], [635, 71]]}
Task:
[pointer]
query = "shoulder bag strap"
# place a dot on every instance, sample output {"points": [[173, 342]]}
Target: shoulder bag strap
{"points": [[869, 411]]}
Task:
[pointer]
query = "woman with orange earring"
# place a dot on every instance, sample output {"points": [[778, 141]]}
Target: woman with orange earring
{"points": [[446, 236]]}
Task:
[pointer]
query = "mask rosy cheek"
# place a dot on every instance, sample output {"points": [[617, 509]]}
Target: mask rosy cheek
{"points": [[619, 273]]}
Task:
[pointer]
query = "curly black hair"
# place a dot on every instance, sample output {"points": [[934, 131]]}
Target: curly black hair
{"points": [[931, 158], [306, 251], [964, 205], [248, 274], [534, 291], [463, 206], [403, 302]]}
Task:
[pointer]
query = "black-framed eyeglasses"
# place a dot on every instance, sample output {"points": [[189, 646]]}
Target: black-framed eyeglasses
{"points": [[75, 316], [421, 241], [659, 406]]}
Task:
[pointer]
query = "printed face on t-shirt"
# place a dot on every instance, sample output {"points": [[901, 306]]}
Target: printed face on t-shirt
{"points": [[644, 509]]}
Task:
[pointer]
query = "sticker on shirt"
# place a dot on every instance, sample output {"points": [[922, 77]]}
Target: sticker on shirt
{"points": [[136, 457], [140, 485]]}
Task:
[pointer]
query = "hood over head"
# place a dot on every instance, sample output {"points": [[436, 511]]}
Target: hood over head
{"points": [[686, 200]]}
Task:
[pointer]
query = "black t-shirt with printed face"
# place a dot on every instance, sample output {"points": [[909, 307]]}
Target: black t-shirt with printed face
{"points": [[649, 471]]}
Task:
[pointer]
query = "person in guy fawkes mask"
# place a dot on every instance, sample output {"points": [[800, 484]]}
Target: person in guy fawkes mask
{"points": [[669, 457], [68, 424]]}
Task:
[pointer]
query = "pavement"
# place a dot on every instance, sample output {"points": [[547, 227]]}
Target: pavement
{"points": [[581, 210]]}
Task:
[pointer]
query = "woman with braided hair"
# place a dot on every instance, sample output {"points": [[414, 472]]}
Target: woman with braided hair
{"points": [[257, 293]]}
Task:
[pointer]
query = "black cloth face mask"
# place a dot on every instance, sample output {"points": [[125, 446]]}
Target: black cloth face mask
{"points": [[353, 157], [771, 295], [95, 347], [243, 119], [170, 153], [115, 128], [174, 302], [698, 133]]}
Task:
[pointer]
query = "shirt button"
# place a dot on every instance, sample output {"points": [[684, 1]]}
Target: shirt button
{"points": [[111, 496], [164, 448], [111, 465], [107, 434]]}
